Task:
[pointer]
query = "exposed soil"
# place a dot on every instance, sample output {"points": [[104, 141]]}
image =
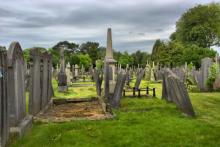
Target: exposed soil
{"points": [[73, 111]]}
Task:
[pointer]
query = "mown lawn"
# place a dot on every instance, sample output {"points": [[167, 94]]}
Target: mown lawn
{"points": [[76, 90], [139, 122]]}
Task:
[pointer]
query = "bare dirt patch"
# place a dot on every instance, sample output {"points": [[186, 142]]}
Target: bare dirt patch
{"points": [[73, 111]]}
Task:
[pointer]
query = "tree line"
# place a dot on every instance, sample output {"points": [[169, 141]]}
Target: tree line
{"points": [[197, 31]]}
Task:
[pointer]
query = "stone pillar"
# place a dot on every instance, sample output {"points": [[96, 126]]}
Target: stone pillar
{"points": [[110, 79], [62, 78], [68, 74], [76, 70], [109, 50]]}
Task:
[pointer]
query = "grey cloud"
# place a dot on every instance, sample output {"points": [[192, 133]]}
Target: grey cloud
{"points": [[33, 25]]}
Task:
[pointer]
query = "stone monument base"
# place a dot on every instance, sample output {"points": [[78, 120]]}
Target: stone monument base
{"points": [[62, 88], [24, 125]]}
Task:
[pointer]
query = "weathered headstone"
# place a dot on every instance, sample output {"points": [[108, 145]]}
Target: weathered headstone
{"points": [[62, 78], [76, 70], [115, 102], [4, 114], [175, 91], [147, 72], [19, 121], [216, 85], [68, 74], [98, 78], [180, 73], [206, 63], [152, 77], [140, 76], [41, 81], [35, 81]]}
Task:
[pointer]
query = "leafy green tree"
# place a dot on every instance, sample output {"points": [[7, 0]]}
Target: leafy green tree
{"points": [[74, 59], [194, 54], [92, 49], [158, 50], [141, 58], [85, 60], [199, 25], [125, 59], [213, 70], [26, 54], [99, 64]]}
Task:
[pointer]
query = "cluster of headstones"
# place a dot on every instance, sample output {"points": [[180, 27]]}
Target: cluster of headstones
{"points": [[201, 76], [14, 119], [196, 77]]}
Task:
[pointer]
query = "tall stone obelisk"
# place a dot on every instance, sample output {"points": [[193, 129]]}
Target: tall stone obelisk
{"points": [[109, 50], [110, 79]]}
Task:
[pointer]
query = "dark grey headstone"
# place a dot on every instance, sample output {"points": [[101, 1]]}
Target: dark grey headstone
{"points": [[206, 63], [106, 79], [175, 91], [4, 114], [98, 78], [115, 102], [140, 75], [16, 84], [35, 80], [45, 79]]}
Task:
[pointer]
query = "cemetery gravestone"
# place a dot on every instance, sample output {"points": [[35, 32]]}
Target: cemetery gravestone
{"points": [[109, 67], [68, 74], [177, 93], [35, 80], [98, 77], [4, 114], [62, 78], [19, 121], [118, 89], [140, 76], [41, 81]]}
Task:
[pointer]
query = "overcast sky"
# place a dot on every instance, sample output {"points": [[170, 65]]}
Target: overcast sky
{"points": [[135, 24]]}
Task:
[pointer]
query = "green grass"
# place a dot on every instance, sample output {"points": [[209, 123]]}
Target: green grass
{"points": [[75, 91], [138, 122]]}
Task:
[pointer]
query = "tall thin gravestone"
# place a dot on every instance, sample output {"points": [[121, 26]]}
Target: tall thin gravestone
{"points": [[4, 114], [19, 121], [35, 88], [115, 102], [62, 78], [45, 81], [206, 63], [140, 76]]}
